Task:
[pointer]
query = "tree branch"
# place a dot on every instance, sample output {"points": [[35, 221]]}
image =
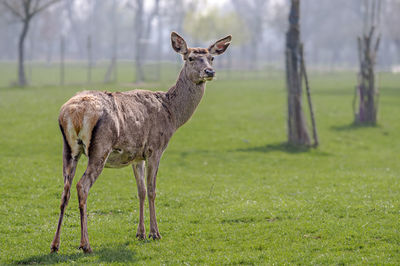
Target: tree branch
{"points": [[26, 5], [377, 43], [13, 10], [371, 32], [35, 6], [43, 7]]}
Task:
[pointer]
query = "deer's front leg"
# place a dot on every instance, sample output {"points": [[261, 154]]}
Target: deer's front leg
{"points": [[152, 168], [138, 170]]}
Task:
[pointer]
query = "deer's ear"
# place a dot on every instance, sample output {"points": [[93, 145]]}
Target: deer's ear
{"points": [[178, 43], [220, 46]]}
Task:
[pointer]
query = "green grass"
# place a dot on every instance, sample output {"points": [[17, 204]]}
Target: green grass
{"points": [[76, 73], [229, 190], [41, 74]]}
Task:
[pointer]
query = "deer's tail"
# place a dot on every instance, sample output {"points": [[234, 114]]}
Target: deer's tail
{"points": [[77, 119]]}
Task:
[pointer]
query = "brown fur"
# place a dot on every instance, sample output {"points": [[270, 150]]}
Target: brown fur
{"points": [[75, 108], [198, 50], [129, 128], [73, 111]]}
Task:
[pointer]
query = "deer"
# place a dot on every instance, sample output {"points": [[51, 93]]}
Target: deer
{"points": [[117, 129]]}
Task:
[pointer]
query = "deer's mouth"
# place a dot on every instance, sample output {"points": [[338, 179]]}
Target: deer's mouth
{"points": [[206, 78]]}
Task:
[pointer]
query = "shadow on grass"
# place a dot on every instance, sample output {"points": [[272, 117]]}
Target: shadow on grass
{"points": [[354, 126], [118, 253], [282, 146], [187, 153]]}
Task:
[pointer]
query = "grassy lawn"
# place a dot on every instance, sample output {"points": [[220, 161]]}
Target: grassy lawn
{"points": [[229, 190]]}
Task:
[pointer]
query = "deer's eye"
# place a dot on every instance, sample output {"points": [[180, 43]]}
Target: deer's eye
{"points": [[191, 59], [212, 58]]}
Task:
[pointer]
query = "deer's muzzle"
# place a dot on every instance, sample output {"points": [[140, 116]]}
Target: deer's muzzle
{"points": [[209, 72]]}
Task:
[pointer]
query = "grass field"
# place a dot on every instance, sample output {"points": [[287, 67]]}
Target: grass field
{"points": [[229, 190]]}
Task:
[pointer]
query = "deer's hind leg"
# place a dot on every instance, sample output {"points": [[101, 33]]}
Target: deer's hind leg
{"points": [[70, 161], [99, 151]]}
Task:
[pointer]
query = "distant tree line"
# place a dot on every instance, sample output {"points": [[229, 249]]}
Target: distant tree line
{"points": [[136, 30]]}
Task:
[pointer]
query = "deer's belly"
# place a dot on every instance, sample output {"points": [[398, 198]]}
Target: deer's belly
{"points": [[119, 158]]}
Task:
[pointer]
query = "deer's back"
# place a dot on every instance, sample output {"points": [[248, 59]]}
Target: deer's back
{"points": [[137, 123]]}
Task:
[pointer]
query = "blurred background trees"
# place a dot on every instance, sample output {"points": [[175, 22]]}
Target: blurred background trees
{"points": [[24, 11], [366, 96], [105, 34]]}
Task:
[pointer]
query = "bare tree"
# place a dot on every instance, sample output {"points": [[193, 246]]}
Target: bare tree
{"points": [[112, 68], [143, 30], [297, 127], [366, 95], [159, 45], [154, 14], [253, 12], [139, 25], [391, 22], [75, 27], [48, 29], [89, 59], [175, 12], [25, 10], [62, 61]]}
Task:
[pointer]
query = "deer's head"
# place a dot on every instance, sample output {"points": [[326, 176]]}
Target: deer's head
{"points": [[199, 61]]}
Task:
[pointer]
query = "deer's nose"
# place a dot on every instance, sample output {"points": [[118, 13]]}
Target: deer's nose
{"points": [[210, 72]]}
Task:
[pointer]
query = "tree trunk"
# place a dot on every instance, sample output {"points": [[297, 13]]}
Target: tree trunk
{"points": [[111, 71], [159, 47], [112, 68], [62, 56], [297, 127], [229, 63], [90, 60], [138, 41], [144, 31], [254, 54], [79, 40], [21, 67], [397, 45], [366, 90], [49, 52]]}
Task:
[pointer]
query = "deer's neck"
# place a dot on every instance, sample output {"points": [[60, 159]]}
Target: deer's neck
{"points": [[184, 97]]}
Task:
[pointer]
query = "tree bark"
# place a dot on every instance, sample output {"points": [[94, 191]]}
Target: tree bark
{"points": [[367, 93], [21, 60], [297, 127]]}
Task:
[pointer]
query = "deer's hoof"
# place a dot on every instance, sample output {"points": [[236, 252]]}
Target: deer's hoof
{"points": [[54, 248], [155, 235], [86, 248], [141, 236]]}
